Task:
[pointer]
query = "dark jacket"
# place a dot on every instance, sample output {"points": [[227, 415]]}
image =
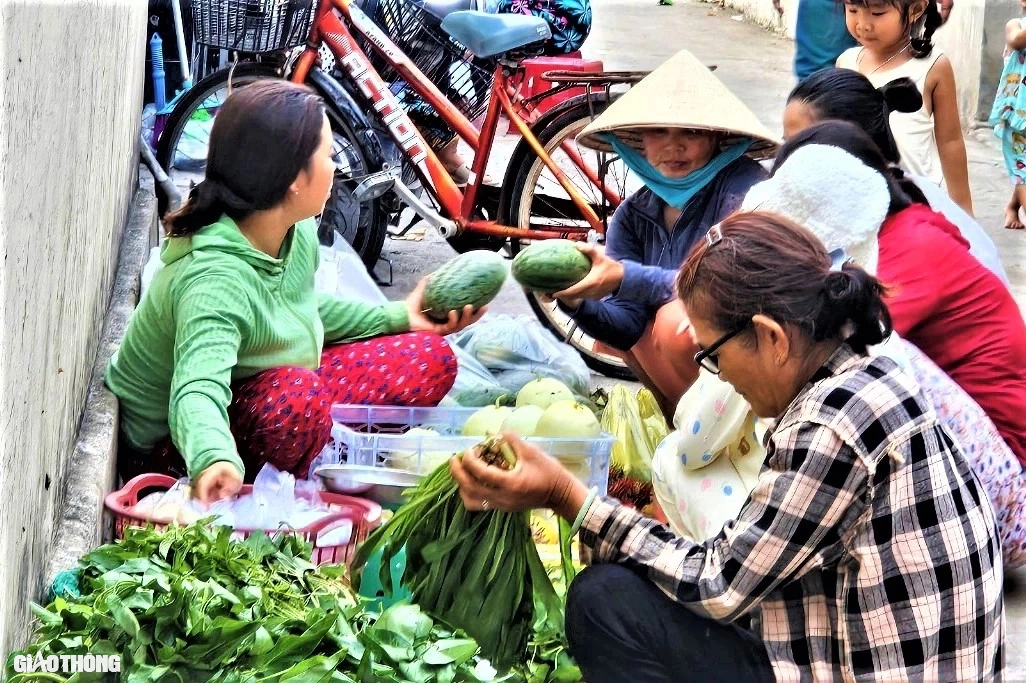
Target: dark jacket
{"points": [[652, 256]]}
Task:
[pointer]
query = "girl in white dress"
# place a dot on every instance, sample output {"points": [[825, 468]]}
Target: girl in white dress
{"points": [[895, 42]]}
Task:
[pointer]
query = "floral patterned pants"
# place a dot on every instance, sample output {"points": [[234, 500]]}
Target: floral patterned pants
{"points": [[990, 457], [282, 416]]}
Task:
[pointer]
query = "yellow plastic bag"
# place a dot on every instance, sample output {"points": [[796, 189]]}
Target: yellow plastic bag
{"points": [[656, 427], [639, 426]]}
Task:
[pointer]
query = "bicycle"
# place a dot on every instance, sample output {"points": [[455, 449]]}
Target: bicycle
{"points": [[380, 150]]}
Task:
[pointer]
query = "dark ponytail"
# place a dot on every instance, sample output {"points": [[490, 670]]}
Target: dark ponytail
{"points": [[768, 264], [847, 95], [264, 135], [851, 295], [922, 45], [208, 201]]}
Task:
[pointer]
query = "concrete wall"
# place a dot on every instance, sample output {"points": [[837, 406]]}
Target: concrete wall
{"points": [[71, 97], [961, 38], [972, 36]]}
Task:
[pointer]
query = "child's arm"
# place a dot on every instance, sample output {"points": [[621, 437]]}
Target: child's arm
{"points": [[947, 128], [1015, 35]]}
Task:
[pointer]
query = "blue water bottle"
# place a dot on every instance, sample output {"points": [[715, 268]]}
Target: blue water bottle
{"points": [[157, 61]]}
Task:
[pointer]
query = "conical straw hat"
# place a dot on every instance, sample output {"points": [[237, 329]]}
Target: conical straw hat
{"points": [[681, 93]]}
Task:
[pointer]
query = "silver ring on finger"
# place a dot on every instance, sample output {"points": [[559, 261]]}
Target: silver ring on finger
{"points": [[485, 505]]}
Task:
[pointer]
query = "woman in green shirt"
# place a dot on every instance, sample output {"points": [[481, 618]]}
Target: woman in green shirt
{"points": [[223, 367]]}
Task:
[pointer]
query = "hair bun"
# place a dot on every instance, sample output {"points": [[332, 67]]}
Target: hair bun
{"points": [[839, 285], [853, 296], [902, 95]]}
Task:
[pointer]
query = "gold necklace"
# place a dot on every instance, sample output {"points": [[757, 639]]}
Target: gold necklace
{"points": [[885, 62]]}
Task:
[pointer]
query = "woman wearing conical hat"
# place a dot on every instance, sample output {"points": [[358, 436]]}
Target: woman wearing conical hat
{"points": [[695, 146]]}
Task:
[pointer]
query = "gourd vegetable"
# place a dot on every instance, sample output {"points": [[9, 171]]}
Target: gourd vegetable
{"points": [[543, 392], [550, 265], [473, 279]]}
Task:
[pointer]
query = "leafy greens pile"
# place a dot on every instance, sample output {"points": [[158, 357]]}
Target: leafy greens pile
{"points": [[191, 604], [481, 572]]}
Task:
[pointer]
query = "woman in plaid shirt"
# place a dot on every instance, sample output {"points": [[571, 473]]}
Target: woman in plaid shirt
{"points": [[867, 551]]}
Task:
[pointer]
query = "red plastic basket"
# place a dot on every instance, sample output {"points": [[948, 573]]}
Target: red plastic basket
{"points": [[364, 515]]}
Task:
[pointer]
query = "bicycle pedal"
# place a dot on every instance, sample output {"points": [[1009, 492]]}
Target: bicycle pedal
{"points": [[373, 186]]}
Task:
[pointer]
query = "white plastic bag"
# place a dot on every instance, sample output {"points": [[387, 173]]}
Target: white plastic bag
{"points": [[342, 272], [149, 270], [475, 385], [277, 500], [173, 505], [519, 349]]}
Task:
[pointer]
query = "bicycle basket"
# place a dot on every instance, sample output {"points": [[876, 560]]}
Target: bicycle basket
{"points": [[464, 79], [252, 26]]}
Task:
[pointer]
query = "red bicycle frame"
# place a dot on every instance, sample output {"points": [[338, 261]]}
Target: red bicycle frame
{"points": [[458, 205]]}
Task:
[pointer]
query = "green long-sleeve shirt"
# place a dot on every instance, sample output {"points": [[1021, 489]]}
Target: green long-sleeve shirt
{"points": [[219, 311]]}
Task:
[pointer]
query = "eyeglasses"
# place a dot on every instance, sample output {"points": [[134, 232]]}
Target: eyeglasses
{"points": [[708, 358]]}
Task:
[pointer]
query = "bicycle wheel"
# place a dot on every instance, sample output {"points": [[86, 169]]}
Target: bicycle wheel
{"points": [[535, 199], [182, 151]]}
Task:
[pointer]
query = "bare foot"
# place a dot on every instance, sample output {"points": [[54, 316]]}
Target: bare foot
{"points": [[1012, 220]]}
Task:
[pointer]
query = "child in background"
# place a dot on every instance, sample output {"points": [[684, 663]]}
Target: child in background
{"points": [[895, 42], [1009, 116]]}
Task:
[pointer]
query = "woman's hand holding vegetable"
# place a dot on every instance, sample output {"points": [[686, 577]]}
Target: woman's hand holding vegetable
{"points": [[604, 278], [421, 323], [219, 481], [537, 480]]}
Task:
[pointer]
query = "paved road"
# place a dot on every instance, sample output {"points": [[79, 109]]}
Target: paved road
{"points": [[756, 65]]}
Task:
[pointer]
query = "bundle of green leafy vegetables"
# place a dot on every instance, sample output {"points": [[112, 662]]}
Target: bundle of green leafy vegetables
{"points": [[480, 572], [191, 604]]}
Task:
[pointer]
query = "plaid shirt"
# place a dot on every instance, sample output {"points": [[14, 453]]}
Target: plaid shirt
{"points": [[867, 550]]}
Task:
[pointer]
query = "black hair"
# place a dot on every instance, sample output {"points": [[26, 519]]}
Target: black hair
{"points": [[921, 45], [766, 263], [854, 141], [847, 95], [264, 135]]}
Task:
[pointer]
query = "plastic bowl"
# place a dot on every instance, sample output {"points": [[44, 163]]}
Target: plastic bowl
{"points": [[382, 485]]}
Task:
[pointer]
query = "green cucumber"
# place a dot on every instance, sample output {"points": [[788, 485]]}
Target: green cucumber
{"points": [[470, 279], [550, 266]]}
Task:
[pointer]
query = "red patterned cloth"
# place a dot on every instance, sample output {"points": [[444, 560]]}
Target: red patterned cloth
{"points": [[282, 416]]}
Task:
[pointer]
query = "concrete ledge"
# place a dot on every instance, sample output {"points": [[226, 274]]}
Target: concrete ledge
{"points": [[81, 524]]}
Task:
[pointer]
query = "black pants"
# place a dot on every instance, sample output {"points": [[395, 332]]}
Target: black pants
{"points": [[622, 629]]}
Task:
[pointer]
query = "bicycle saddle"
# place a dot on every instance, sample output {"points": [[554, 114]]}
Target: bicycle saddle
{"points": [[440, 9], [487, 35]]}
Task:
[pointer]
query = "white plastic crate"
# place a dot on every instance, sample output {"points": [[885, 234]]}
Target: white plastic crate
{"points": [[375, 436]]}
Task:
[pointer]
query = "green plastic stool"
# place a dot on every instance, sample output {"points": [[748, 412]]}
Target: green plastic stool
{"points": [[370, 583]]}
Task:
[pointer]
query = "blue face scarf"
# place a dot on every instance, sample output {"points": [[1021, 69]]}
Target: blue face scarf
{"points": [[676, 192]]}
